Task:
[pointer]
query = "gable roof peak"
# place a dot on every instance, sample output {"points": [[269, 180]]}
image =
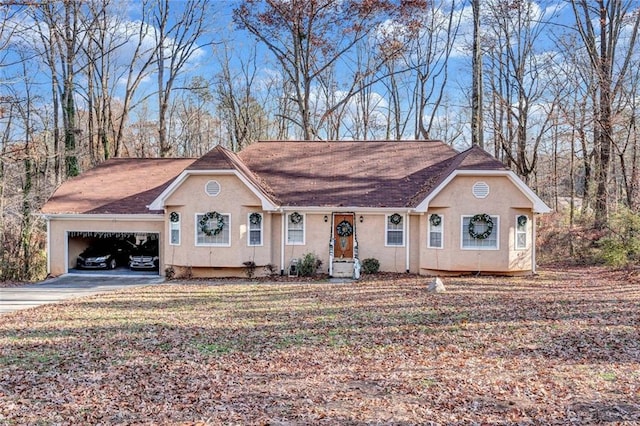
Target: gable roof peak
{"points": [[477, 158], [216, 159]]}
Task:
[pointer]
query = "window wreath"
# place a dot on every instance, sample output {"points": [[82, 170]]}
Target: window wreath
{"points": [[295, 217], [344, 229], [479, 218], [395, 218], [204, 224], [435, 219], [255, 218], [174, 217], [522, 220]]}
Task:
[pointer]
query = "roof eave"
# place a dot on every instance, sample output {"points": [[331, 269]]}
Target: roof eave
{"points": [[104, 216]]}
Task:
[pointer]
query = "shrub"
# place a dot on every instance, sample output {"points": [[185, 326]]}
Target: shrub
{"points": [[249, 268], [170, 272], [370, 266], [621, 245], [309, 264]]}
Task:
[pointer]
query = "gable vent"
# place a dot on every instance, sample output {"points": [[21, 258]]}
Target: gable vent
{"points": [[480, 190], [212, 188]]}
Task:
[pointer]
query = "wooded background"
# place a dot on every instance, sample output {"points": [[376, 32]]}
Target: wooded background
{"points": [[549, 87]]}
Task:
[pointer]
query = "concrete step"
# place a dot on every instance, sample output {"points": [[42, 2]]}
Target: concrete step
{"points": [[343, 268]]}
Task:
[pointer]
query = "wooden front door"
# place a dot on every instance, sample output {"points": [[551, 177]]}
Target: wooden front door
{"points": [[343, 230]]}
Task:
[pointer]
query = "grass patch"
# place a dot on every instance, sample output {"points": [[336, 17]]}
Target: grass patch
{"points": [[213, 348], [562, 347]]}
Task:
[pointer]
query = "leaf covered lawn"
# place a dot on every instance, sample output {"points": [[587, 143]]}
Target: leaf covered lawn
{"points": [[559, 348]]}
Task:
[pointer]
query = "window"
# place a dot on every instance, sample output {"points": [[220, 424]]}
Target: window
{"points": [[521, 232], [295, 229], [255, 229], [213, 229], [435, 231], [485, 232], [174, 229], [395, 230]]}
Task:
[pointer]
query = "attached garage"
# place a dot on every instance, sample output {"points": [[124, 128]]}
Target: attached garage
{"points": [[124, 235], [108, 206]]}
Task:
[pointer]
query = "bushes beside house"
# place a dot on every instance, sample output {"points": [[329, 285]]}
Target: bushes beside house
{"points": [[309, 265], [370, 266], [617, 245]]}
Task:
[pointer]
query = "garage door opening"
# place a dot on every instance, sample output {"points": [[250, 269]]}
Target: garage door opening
{"points": [[111, 253]]}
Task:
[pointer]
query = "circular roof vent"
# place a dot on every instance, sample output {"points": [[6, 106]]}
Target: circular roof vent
{"points": [[480, 190], [212, 188]]}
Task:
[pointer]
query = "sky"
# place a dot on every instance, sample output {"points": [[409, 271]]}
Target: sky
{"points": [[222, 33]]}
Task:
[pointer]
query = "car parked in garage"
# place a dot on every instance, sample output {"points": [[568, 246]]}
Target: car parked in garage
{"points": [[105, 255], [145, 256]]}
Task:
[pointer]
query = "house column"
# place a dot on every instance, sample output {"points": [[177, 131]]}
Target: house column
{"points": [[407, 246], [283, 232], [533, 242], [48, 223]]}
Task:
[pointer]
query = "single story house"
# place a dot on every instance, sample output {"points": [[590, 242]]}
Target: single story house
{"points": [[415, 206]]}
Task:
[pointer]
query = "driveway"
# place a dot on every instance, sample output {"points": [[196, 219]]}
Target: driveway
{"points": [[67, 287]]}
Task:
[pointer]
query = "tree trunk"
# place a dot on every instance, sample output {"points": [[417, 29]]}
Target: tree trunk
{"points": [[477, 134]]}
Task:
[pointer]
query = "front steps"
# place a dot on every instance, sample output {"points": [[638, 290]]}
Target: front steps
{"points": [[343, 268]]}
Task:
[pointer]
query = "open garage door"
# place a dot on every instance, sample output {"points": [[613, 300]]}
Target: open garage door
{"points": [[111, 253]]}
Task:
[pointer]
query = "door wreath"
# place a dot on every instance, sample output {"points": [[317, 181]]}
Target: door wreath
{"points": [[344, 229], [435, 219], [479, 218], [204, 224]]}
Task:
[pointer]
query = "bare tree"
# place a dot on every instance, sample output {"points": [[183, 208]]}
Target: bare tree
{"points": [[177, 36], [308, 37], [610, 56], [401, 98], [428, 59], [477, 135], [61, 27], [196, 128], [517, 71], [235, 95]]}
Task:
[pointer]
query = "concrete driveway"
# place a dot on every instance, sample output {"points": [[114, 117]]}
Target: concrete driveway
{"points": [[67, 287]]}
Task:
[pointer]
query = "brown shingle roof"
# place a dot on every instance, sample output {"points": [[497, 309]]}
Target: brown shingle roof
{"points": [[348, 173], [216, 159], [476, 158], [322, 174], [117, 186]]}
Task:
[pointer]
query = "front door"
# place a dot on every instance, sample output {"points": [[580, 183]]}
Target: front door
{"points": [[343, 234]]}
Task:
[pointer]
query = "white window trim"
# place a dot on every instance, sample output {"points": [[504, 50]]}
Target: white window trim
{"points": [[195, 219], [386, 231], [178, 227], [304, 230], [249, 230], [441, 247], [525, 232], [496, 229]]}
